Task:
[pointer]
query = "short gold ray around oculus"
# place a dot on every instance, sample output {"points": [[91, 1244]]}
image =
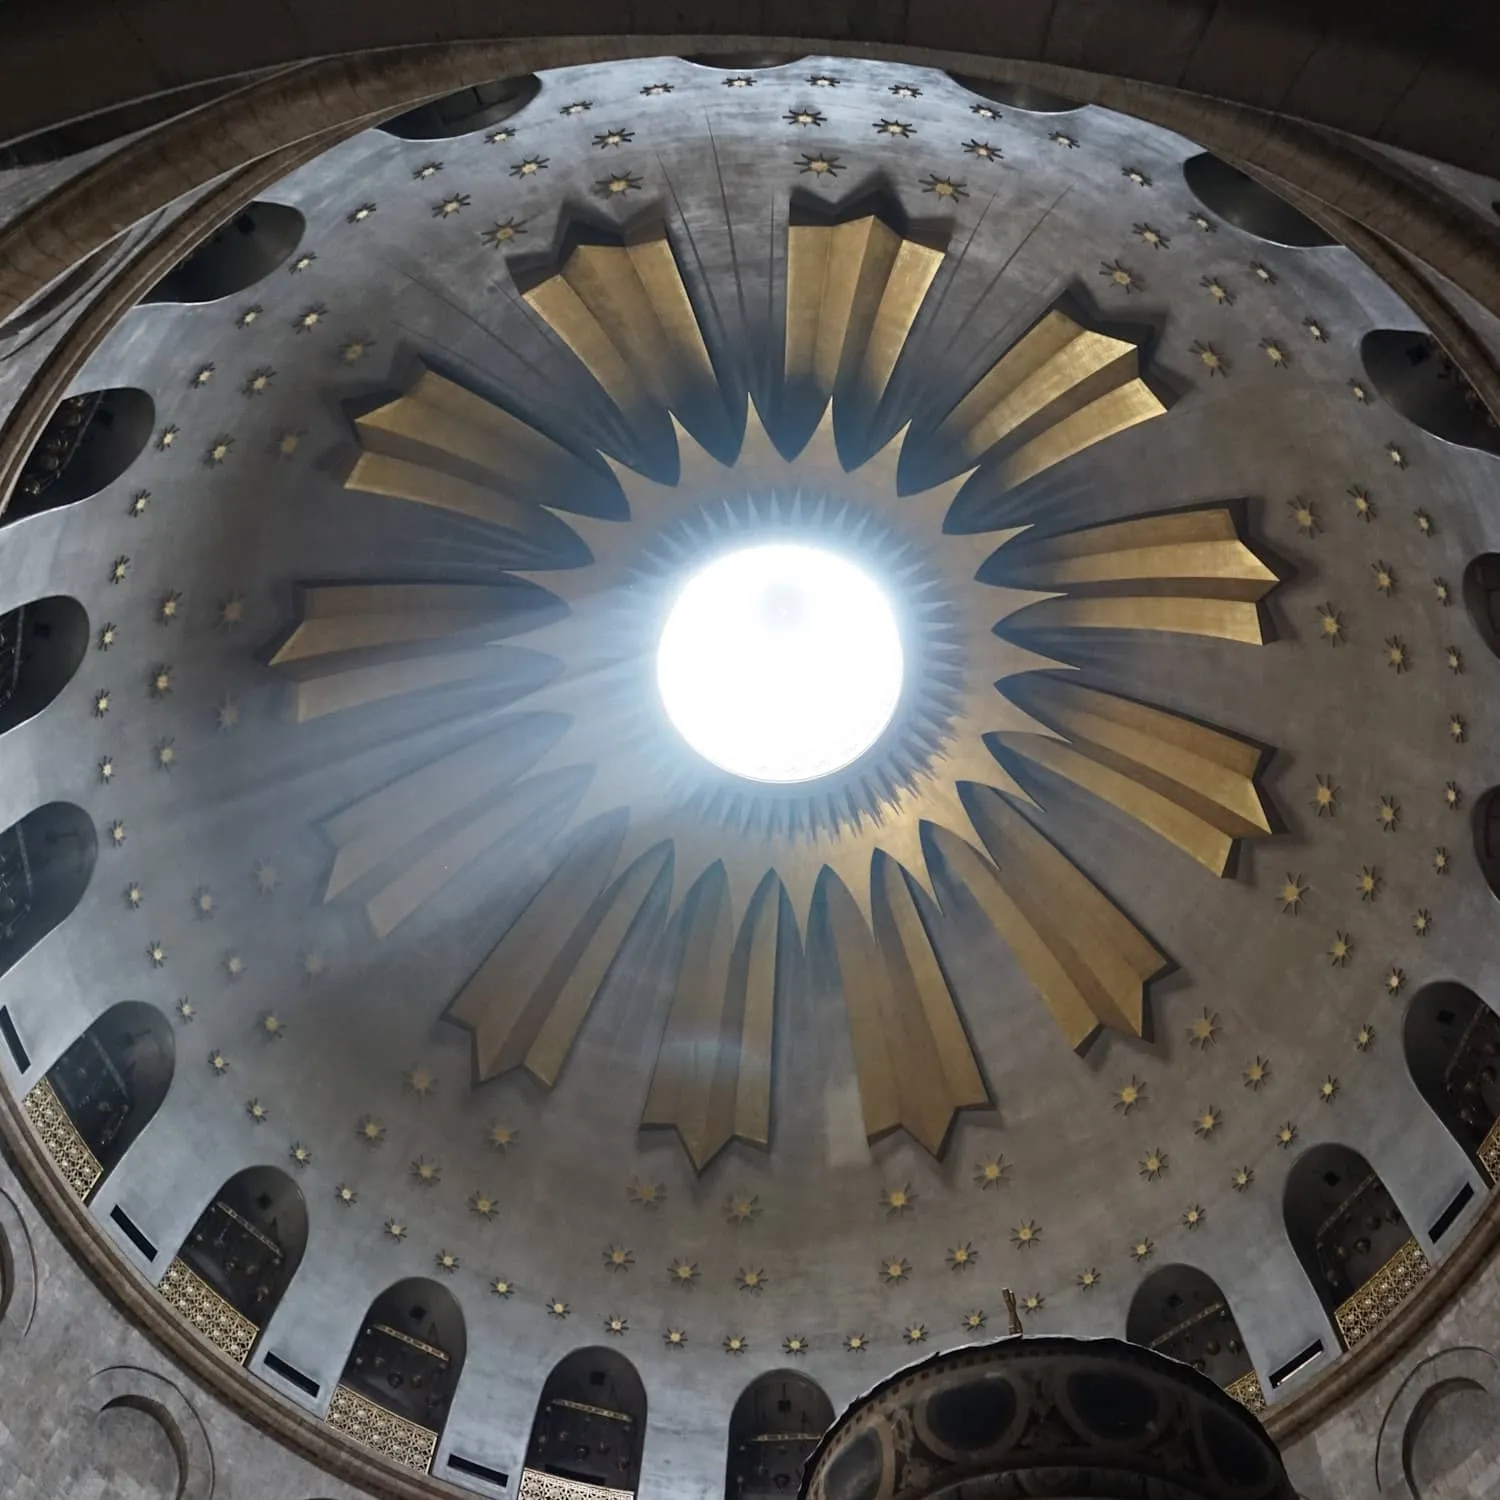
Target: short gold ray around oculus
{"points": [[648, 832]]}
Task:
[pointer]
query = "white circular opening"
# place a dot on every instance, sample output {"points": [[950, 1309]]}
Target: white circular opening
{"points": [[780, 662]]}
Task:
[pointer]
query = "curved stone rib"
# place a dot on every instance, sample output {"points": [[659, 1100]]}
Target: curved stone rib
{"points": [[1088, 961], [915, 1064], [712, 1081]]}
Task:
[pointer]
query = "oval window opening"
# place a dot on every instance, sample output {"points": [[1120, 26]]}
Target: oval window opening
{"points": [[743, 62], [41, 646], [1022, 96], [1486, 824], [46, 861], [237, 255], [467, 110], [88, 442], [1243, 202], [1482, 597], [1410, 370]]}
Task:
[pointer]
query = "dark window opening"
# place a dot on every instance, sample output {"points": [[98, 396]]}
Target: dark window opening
{"points": [[1022, 96], [87, 444], [237, 255], [1239, 200], [466, 110], [590, 1421], [41, 646], [1411, 370]]}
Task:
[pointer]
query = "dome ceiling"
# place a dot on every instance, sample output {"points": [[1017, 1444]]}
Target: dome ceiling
{"points": [[1119, 916]]}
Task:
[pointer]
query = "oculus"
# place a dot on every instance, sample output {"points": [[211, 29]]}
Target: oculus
{"points": [[946, 803]]}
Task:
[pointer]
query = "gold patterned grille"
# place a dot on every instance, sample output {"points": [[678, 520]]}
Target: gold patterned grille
{"points": [[1489, 1152], [537, 1485], [1246, 1390], [78, 1165], [382, 1431], [1360, 1315], [230, 1332]]}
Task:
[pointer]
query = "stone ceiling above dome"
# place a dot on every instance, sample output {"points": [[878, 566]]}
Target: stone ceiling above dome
{"points": [[373, 548]]}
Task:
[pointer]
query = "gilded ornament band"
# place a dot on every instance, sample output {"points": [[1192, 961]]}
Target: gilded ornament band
{"points": [[57, 1132], [1489, 1153], [381, 1431], [537, 1485], [1246, 1390], [229, 1331], [1360, 1315]]}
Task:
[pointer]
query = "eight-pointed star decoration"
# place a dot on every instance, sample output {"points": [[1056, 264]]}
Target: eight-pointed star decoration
{"points": [[645, 828]]}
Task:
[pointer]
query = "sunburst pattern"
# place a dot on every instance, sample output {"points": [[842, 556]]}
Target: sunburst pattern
{"points": [[648, 827]]}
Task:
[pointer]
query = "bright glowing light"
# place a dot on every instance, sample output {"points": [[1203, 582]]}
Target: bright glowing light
{"points": [[780, 663]]}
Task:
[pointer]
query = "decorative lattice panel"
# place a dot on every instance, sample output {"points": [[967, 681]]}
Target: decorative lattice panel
{"points": [[1360, 1315], [535, 1485], [60, 1136], [1489, 1152], [1246, 1390], [230, 1332], [381, 1431]]}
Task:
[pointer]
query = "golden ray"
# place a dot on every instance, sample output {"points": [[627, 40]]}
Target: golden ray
{"points": [[646, 829]]}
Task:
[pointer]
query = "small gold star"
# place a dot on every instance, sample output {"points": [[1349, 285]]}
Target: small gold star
{"points": [[202, 376], [742, 1208], [1341, 950], [617, 184], [1325, 797], [395, 1228], [1358, 390], [218, 1062], [259, 382], [455, 203], [646, 1194], [355, 350], [107, 769], [1153, 1164], [503, 1286], [1396, 455], [101, 704], [1210, 357], [961, 1257], [739, 82], [1316, 330], [232, 610], [1364, 1038], [428, 1173], [894, 127], [735, 1343], [503, 232], [794, 1343], [218, 450], [1128, 1095], [234, 965], [302, 262], [169, 607], [1368, 883], [656, 90], [1394, 980], [138, 503], [804, 117], [167, 437], [363, 212], [906, 91], [1153, 237], [1457, 729], [157, 953], [108, 633], [750, 1280], [310, 317], [557, 1308], [1203, 1032], [1385, 577], [856, 1343], [675, 1338], [346, 1195], [1286, 1135], [1395, 654], [419, 1081], [1119, 275], [1453, 797], [1063, 139], [616, 1325], [1193, 1216], [983, 150], [683, 1272], [990, 1174], [894, 1270], [1141, 1250], [1202, 222], [1258, 1072], [186, 1009], [117, 833], [1088, 1280], [1292, 892], [1305, 517], [370, 1130], [1328, 1089], [273, 1025], [1206, 1123], [820, 165], [1364, 506], [257, 1111], [823, 81], [166, 755], [1262, 272], [1421, 921], [898, 1200], [1442, 592], [1440, 860], [134, 895], [1275, 353], [161, 681], [1389, 815], [618, 1258], [300, 1154], [502, 1137], [312, 963], [944, 187], [1242, 1177], [228, 714], [118, 569], [1331, 623], [1027, 1232], [1455, 660], [267, 877], [1218, 291], [1135, 175], [247, 317], [1033, 1302]]}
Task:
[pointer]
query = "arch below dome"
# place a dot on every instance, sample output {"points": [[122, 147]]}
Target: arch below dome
{"points": [[1240, 200], [236, 256], [46, 862], [777, 1422], [1412, 372], [1451, 1038], [590, 1423], [1182, 1312], [87, 444], [42, 644]]}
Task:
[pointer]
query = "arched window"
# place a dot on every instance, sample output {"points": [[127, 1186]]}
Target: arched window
{"points": [[41, 645], [590, 1422], [469, 109], [1022, 96], [399, 1379], [88, 442], [1410, 370], [1179, 1311], [1453, 1053], [237, 255], [743, 62], [775, 1425], [45, 863], [1243, 202], [1353, 1242], [1486, 827], [238, 1259], [1482, 597], [102, 1092]]}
